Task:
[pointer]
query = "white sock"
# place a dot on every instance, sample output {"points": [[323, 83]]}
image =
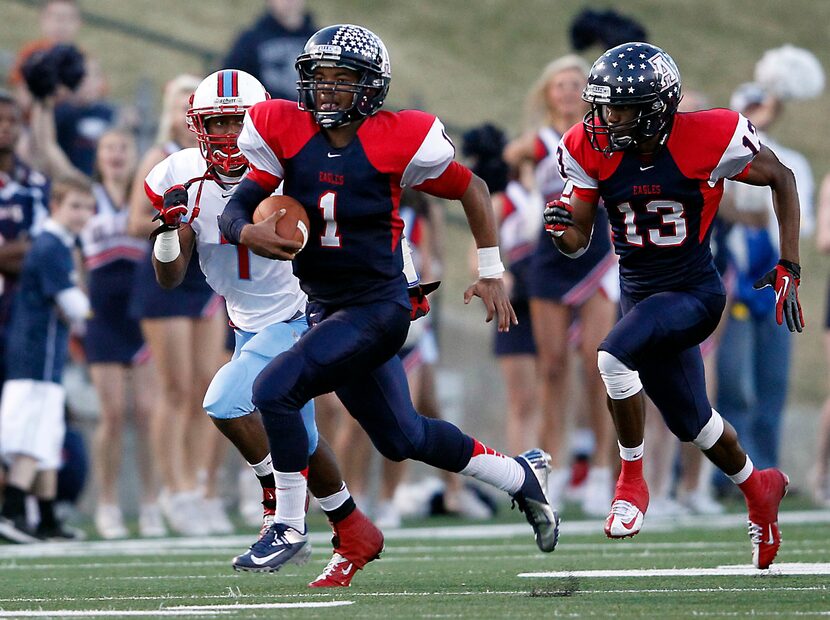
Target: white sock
{"points": [[291, 495], [263, 468], [631, 454], [335, 500], [743, 475], [503, 472]]}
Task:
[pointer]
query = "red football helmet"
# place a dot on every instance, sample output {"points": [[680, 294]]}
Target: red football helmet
{"points": [[227, 92]]}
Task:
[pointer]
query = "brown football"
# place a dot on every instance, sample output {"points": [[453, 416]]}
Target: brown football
{"points": [[293, 225]]}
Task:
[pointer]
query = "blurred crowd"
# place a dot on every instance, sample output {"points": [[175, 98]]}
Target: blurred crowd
{"points": [[71, 175]]}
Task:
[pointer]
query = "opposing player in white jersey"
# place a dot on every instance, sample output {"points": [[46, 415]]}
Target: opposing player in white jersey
{"points": [[264, 301]]}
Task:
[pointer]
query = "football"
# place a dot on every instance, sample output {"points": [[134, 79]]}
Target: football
{"points": [[293, 225]]}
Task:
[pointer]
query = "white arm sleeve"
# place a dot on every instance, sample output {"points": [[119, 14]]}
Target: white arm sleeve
{"points": [[256, 149], [433, 157], [741, 150], [73, 304]]}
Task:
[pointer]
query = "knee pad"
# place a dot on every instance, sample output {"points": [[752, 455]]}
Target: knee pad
{"points": [[620, 381], [710, 433]]}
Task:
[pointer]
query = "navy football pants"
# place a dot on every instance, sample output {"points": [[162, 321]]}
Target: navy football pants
{"points": [[659, 337], [353, 352]]}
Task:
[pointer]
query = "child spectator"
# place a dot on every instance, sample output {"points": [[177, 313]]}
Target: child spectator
{"points": [[32, 407]]}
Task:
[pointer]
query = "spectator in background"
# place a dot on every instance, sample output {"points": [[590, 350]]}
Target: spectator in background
{"points": [[517, 212], [821, 477], [84, 116], [23, 207], [562, 289], [185, 329], [755, 354], [60, 21], [113, 345], [268, 49], [32, 405]]}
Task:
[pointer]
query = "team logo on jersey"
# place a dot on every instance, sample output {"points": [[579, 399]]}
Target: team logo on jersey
{"points": [[665, 70], [599, 91]]}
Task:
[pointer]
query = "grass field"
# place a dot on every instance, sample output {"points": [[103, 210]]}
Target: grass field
{"points": [[440, 569]]}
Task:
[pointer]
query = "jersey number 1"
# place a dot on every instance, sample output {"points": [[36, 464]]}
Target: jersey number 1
{"points": [[328, 206], [244, 258]]}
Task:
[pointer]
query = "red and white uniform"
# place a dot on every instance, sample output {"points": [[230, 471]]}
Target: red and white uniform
{"points": [[258, 291]]}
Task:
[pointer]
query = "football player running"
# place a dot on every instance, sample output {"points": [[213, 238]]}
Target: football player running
{"points": [[264, 302], [347, 162], [660, 174]]}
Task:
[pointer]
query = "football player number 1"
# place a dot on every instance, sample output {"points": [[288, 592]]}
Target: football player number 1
{"points": [[327, 205]]}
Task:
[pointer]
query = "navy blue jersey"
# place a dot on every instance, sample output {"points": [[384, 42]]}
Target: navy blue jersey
{"points": [[38, 337], [24, 196], [351, 194], [661, 209]]}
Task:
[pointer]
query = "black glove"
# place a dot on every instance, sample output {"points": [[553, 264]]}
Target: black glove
{"points": [[784, 280], [70, 65], [172, 211], [559, 216], [418, 299], [40, 72]]}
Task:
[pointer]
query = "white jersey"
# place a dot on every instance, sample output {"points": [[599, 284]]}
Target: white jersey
{"points": [[258, 291], [104, 238]]}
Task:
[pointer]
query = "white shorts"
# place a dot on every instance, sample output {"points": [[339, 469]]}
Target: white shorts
{"points": [[32, 421]]}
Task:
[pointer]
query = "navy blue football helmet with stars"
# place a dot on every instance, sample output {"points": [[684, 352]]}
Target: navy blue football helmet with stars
{"points": [[352, 47], [631, 74]]}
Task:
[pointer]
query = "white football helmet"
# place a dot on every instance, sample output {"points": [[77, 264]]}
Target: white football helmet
{"points": [[226, 92]]}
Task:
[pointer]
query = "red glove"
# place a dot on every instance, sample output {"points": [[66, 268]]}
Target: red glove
{"points": [[173, 209], [418, 299], [559, 217], [784, 280]]}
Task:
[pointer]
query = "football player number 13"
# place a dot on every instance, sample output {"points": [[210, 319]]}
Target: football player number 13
{"points": [[671, 216], [328, 206]]}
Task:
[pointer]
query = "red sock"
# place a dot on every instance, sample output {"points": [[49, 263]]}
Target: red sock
{"points": [[632, 470], [752, 487]]}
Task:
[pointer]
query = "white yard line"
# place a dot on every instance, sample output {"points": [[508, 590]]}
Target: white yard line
{"points": [[794, 568], [210, 545], [184, 610]]}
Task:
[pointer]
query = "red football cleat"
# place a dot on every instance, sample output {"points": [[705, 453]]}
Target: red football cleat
{"points": [[628, 508], [763, 517], [356, 542]]}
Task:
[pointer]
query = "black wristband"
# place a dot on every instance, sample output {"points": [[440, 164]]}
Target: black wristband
{"points": [[793, 268]]}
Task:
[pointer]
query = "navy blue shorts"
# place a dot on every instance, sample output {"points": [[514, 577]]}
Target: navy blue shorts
{"points": [[112, 335], [570, 281], [193, 298], [659, 336]]}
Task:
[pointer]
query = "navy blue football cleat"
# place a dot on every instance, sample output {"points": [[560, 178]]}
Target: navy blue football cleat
{"points": [[279, 545], [532, 499]]}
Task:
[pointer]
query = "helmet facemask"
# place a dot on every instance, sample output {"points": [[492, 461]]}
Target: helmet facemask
{"points": [[219, 150], [651, 119]]}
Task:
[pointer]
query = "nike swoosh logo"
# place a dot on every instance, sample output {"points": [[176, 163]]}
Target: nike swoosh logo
{"points": [[347, 570], [778, 293], [644, 168], [771, 540], [630, 524], [333, 154], [267, 558]]}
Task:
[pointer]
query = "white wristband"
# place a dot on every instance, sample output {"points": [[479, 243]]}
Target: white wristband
{"points": [[409, 271], [166, 248], [489, 263]]}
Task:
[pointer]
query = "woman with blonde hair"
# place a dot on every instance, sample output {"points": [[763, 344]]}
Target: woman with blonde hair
{"points": [[566, 293], [185, 329]]}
